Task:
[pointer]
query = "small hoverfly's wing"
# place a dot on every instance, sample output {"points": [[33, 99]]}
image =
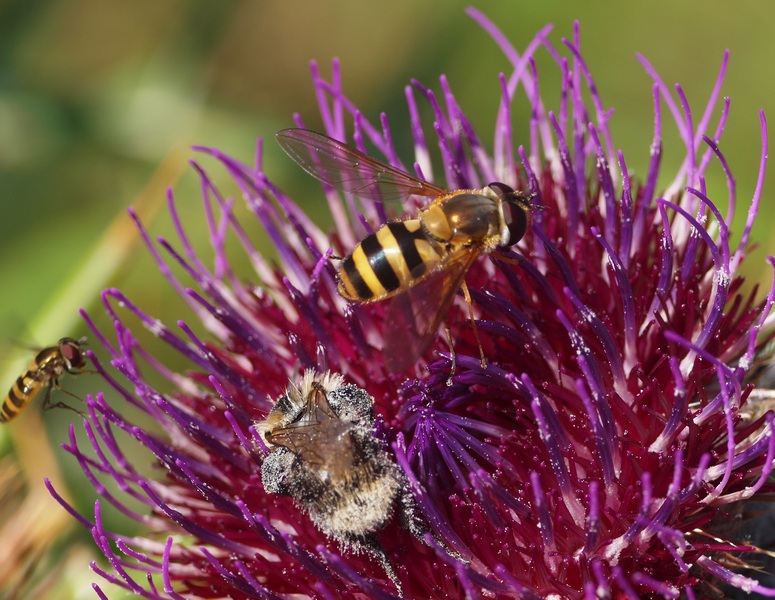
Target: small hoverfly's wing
{"points": [[413, 317], [349, 170]]}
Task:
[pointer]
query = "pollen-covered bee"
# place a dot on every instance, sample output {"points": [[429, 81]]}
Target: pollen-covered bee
{"points": [[419, 262], [44, 370], [324, 455]]}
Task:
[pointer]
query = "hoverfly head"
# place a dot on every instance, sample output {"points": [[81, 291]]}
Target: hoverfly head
{"points": [[72, 353], [514, 208]]}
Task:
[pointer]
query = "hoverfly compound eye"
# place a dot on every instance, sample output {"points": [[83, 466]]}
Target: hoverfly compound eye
{"points": [[72, 353], [514, 206], [501, 189], [515, 218]]}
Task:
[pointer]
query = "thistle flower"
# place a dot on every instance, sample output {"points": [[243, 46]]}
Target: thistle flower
{"points": [[601, 451]]}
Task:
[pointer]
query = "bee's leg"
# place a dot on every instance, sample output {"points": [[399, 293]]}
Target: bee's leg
{"points": [[470, 302], [370, 545], [407, 507], [411, 521]]}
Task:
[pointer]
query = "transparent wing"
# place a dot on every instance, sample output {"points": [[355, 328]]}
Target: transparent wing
{"points": [[413, 317], [318, 437], [349, 170]]}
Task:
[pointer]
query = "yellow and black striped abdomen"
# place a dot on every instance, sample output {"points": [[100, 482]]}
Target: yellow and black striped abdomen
{"points": [[43, 370], [387, 262], [23, 390]]}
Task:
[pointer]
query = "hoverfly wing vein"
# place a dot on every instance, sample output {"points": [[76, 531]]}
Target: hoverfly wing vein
{"points": [[350, 171], [415, 316]]}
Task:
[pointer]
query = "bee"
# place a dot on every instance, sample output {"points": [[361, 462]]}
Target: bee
{"points": [[419, 262], [44, 370], [324, 455]]}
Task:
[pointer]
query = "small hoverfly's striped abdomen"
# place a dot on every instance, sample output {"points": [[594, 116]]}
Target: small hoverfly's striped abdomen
{"points": [[15, 400], [387, 262], [23, 390]]}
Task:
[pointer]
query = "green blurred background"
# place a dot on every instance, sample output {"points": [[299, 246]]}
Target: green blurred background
{"points": [[100, 99]]}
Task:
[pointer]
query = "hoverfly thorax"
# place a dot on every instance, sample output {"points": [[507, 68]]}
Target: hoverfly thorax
{"points": [[463, 218]]}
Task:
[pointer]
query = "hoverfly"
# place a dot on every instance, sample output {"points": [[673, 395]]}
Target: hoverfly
{"points": [[419, 262], [45, 369]]}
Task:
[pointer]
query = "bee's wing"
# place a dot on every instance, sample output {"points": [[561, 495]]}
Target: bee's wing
{"points": [[318, 409], [304, 432], [349, 170], [414, 316], [319, 438]]}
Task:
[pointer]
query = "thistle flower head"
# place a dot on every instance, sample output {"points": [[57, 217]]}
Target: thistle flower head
{"points": [[595, 454]]}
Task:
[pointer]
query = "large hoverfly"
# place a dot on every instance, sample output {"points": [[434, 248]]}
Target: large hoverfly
{"points": [[44, 370], [419, 262]]}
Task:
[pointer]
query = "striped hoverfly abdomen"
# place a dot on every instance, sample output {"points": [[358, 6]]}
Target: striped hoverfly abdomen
{"points": [[389, 261]]}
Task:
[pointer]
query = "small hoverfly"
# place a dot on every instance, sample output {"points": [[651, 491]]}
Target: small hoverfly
{"points": [[45, 369], [419, 262]]}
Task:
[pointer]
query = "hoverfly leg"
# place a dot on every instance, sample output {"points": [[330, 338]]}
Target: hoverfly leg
{"points": [[48, 404], [453, 356], [470, 303]]}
